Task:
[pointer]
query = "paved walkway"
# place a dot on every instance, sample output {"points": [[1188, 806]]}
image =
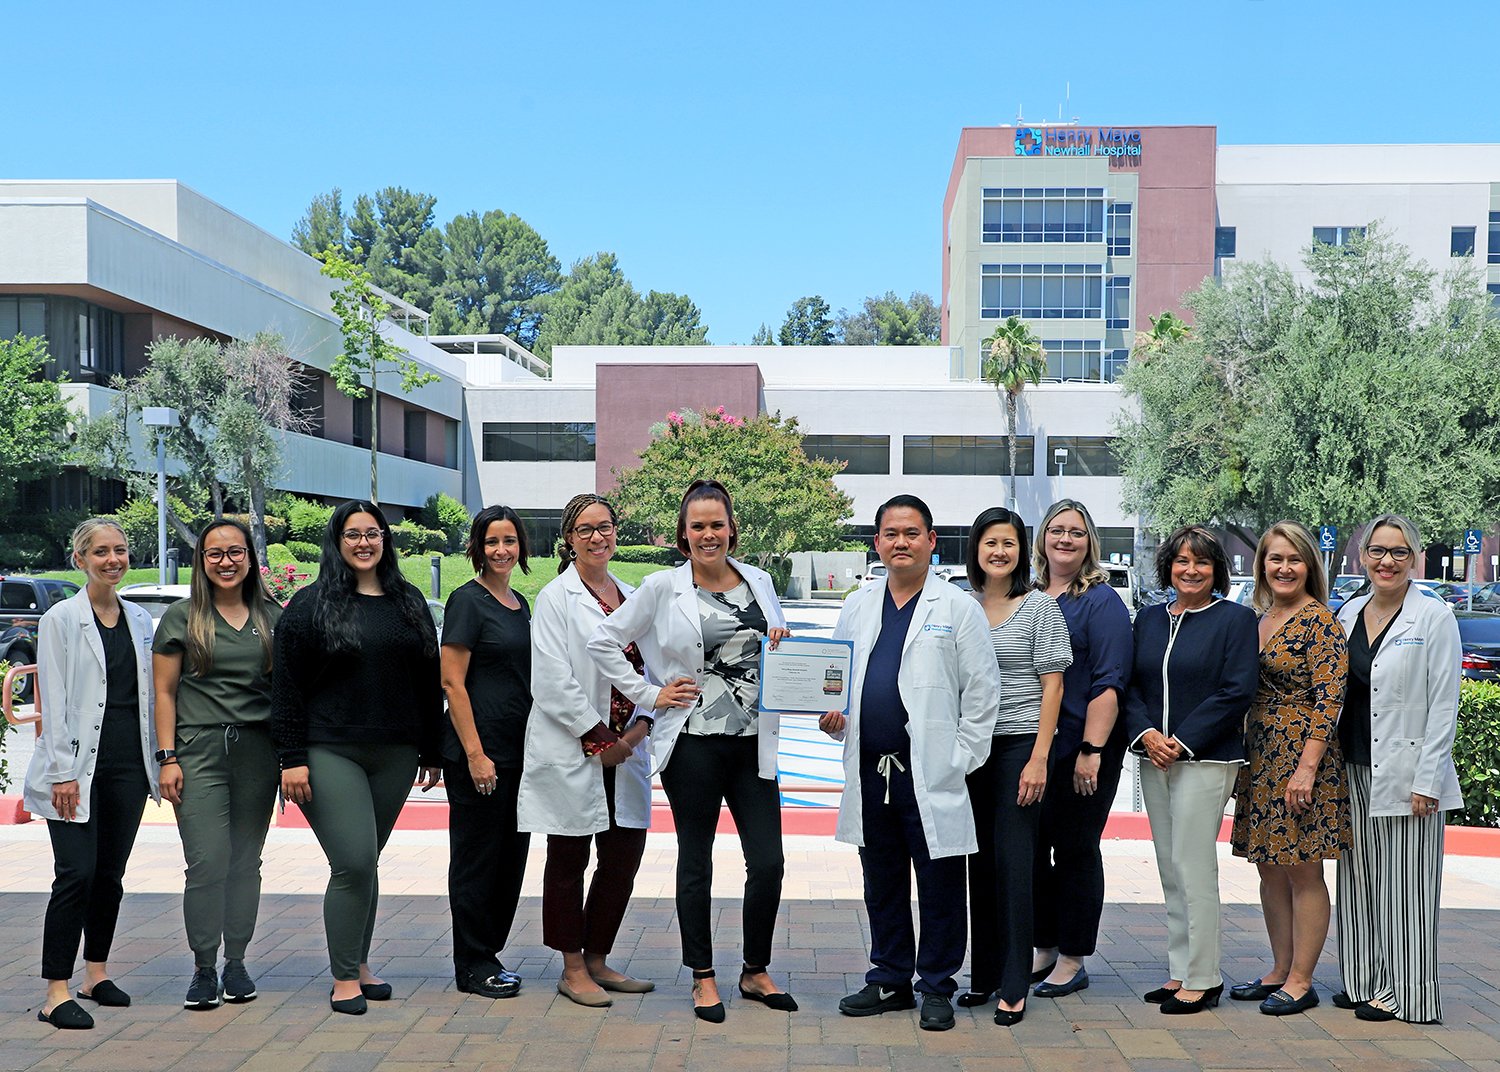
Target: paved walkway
{"points": [[823, 938]]}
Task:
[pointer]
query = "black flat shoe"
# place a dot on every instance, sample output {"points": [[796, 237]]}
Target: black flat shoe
{"points": [[108, 994], [1042, 973], [1160, 996], [67, 1016], [1010, 1017], [1256, 991], [1283, 1004], [375, 991], [1209, 999], [354, 1006], [972, 999], [1342, 1000], [712, 1014], [780, 1002], [1373, 1013], [1080, 981]]}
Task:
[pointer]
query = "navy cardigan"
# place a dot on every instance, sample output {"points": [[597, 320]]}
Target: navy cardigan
{"points": [[1210, 680]]}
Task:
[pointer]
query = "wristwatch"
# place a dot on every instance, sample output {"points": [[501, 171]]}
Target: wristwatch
{"points": [[648, 720], [165, 755], [1086, 749]]}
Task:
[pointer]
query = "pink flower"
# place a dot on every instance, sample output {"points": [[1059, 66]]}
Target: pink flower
{"points": [[674, 418], [720, 411]]}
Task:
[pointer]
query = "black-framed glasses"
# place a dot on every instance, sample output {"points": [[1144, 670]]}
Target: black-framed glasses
{"points": [[586, 532], [219, 554], [369, 536], [1398, 554], [1057, 532]]}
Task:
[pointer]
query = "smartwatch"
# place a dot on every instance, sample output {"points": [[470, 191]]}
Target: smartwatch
{"points": [[648, 720], [165, 755], [1086, 749]]}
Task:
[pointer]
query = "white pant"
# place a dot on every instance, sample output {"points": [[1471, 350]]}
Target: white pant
{"points": [[1186, 806]]}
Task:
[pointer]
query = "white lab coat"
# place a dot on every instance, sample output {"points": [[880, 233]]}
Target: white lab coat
{"points": [[562, 790], [73, 689], [662, 617], [950, 685], [1413, 704]]}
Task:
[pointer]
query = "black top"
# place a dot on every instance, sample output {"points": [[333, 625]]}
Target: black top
{"points": [[1354, 723], [122, 698], [882, 715], [499, 677], [1099, 628], [386, 691]]}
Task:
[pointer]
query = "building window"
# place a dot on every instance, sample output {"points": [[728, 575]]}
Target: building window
{"points": [[1337, 236], [85, 341], [951, 455], [1494, 246], [1224, 240], [543, 529], [1461, 243], [360, 427], [1494, 292], [1074, 359], [414, 444], [1043, 214], [1114, 364], [561, 442], [862, 454], [307, 399], [1116, 543], [450, 444], [1086, 456], [1117, 302], [1042, 291], [1119, 229]]}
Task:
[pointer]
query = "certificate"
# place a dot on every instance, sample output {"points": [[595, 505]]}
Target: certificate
{"points": [[808, 677]]}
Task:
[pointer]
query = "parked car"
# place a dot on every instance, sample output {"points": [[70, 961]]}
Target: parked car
{"points": [[23, 601], [1454, 592], [1487, 597], [1122, 580], [1429, 588], [1240, 590], [1345, 587], [156, 598], [1480, 635], [960, 580]]}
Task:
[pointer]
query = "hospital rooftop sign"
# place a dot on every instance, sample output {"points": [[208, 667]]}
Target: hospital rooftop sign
{"points": [[1078, 141]]}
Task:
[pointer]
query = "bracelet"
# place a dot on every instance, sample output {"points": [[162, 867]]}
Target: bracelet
{"points": [[168, 761]]}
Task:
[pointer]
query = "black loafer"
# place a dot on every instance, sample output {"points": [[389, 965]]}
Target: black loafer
{"points": [[67, 1016], [375, 991], [1373, 1013], [1010, 1017], [1342, 1000], [494, 986], [1283, 1004], [1079, 981], [108, 994], [354, 1006], [1256, 991], [1159, 996]]}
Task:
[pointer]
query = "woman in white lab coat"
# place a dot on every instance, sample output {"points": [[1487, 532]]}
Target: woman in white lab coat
{"points": [[699, 628]]}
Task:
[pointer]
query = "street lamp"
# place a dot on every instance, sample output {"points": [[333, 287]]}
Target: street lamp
{"points": [[1060, 456], [161, 418]]}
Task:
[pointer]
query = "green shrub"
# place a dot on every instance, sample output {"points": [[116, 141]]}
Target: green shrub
{"points": [[275, 526], [648, 553], [307, 520], [1476, 753], [25, 552], [780, 570], [304, 551], [413, 539], [138, 518], [279, 555], [447, 515]]}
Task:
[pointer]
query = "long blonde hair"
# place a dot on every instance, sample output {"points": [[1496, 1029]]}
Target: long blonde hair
{"points": [[1091, 573], [199, 643], [1302, 542]]}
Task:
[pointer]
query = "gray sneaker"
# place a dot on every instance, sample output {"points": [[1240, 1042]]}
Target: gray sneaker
{"points": [[937, 1013], [203, 992], [238, 986]]}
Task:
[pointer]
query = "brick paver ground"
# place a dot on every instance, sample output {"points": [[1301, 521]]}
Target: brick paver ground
{"points": [[821, 953]]}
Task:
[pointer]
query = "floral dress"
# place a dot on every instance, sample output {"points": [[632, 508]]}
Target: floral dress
{"points": [[1302, 675]]}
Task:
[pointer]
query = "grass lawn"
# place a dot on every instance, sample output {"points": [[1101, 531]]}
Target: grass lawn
{"points": [[417, 569]]}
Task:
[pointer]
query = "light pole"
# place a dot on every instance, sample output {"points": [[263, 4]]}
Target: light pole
{"points": [[161, 418], [1060, 456]]}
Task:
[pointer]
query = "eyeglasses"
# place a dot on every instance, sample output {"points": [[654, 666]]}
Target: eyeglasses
{"points": [[586, 532], [372, 536], [1057, 532], [1398, 554], [219, 554]]}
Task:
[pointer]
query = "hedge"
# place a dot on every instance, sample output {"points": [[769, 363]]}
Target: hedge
{"points": [[648, 553], [412, 539], [1476, 753], [25, 552], [304, 551]]}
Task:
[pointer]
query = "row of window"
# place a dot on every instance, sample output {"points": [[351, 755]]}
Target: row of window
{"points": [[537, 442], [84, 340], [976, 455], [1055, 214], [1054, 292], [1461, 242]]}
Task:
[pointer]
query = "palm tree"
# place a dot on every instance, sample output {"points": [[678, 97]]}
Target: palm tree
{"points": [[1165, 330], [1016, 358]]}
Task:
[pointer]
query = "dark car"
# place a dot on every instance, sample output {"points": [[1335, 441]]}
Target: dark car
{"points": [[1487, 597], [1480, 634]]}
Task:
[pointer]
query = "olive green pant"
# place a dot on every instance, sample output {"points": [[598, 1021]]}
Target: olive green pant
{"points": [[229, 780], [357, 794]]}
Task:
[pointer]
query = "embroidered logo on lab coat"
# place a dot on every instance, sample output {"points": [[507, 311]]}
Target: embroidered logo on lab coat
{"points": [[937, 629]]}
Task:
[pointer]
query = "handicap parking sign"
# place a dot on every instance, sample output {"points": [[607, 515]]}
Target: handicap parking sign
{"points": [[1328, 538], [1473, 539]]}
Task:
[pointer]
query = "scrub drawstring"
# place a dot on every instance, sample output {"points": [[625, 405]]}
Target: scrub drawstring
{"points": [[883, 766], [231, 735]]}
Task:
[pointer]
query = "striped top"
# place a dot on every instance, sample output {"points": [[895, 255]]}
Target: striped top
{"points": [[1031, 642]]}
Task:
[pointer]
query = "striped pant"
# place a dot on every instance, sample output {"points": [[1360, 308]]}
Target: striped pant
{"points": [[1388, 889]]}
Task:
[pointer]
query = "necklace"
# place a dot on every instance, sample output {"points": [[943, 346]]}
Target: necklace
{"points": [[1383, 618]]}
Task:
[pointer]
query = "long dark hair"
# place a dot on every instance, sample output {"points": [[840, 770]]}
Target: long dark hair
{"points": [[716, 492], [1020, 577], [333, 592], [199, 645], [480, 528]]}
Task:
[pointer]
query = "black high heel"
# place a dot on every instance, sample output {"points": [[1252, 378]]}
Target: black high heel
{"points": [[781, 1002], [1209, 999], [713, 1014], [972, 999]]}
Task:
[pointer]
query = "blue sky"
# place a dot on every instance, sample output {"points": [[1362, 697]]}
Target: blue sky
{"points": [[742, 154]]}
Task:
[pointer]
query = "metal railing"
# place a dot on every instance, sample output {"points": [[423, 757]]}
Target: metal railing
{"points": [[8, 697]]}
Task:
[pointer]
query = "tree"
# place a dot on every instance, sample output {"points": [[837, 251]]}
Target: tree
{"points": [[887, 320], [362, 315], [33, 416], [807, 323], [495, 274], [598, 306], [1374, 387], [763, 336], [323, 227], [784, 501], [1166, 330], [1015, 359]]}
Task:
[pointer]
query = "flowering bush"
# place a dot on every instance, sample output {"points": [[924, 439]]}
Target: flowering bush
{"points": [[283, 581], [680, 420]]}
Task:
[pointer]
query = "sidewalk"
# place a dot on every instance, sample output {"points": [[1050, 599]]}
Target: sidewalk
{"points": [[821, 954]]}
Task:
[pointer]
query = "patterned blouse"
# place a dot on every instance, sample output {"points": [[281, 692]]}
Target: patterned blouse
{"points": [[733, 625]]}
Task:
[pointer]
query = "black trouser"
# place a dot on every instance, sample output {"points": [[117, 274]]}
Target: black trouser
{"points": [[895, 844], [1068, 886], [486, 865], [571, 924], [1000, 873], [89, 862], [703, 773]]}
